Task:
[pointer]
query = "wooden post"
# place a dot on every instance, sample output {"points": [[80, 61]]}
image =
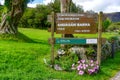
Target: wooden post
{"points": [[99, 38], [52, 39]]}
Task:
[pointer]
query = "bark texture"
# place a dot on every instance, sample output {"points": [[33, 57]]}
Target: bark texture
{"points": [[10, 19], [65, 8]]}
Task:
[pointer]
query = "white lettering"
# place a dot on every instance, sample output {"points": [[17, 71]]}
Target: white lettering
{"points": [[74, 24], [62, 29]]}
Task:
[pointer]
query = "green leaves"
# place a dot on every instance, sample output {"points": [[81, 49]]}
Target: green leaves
{"points": [[8, 4], [106, 24]]}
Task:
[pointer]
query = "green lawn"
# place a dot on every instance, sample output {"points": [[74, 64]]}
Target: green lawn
{"points": [[23, 60]]}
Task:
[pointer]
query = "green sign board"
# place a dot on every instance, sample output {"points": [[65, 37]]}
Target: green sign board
{"points": [[75, 41]]}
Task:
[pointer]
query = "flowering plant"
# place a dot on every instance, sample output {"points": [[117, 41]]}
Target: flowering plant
{"points": [[86, 66]]}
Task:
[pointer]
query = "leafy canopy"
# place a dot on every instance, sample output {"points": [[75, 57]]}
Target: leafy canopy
{"points": [[8, 3]]}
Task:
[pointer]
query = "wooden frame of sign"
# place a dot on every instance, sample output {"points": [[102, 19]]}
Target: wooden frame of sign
{"points": [[66, 23]]}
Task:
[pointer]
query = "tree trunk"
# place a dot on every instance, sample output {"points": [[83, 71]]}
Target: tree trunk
{"points": [[65, 8], [10, 20]]}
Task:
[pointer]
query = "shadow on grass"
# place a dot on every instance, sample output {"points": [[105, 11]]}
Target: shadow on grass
{"points": [[19, 37]]}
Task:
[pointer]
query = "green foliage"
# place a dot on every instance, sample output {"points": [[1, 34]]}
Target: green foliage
{"points": [[54, 6], [35, 17], [114, 26], [28, 18], [8, 4], [1, 10], [90, 50], [24, 60], [76, 9], [66, 61], [113, 38], [106, 24]]}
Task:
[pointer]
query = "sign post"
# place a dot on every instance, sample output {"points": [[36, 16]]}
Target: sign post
{"points": [[69, 23], [52, 38], [99, 38]]}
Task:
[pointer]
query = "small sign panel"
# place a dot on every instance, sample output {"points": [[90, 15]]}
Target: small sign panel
{"points": [[91, 41], [68, 23]]}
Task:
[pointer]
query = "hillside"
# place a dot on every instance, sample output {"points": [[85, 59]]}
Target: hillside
{"points": [[115, 17]]}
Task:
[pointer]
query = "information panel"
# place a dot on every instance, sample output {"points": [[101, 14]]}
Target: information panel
{"points": [[68, 23], [75, 41]]}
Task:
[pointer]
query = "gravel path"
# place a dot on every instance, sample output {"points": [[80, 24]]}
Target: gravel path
{"points": [[116, 77]]}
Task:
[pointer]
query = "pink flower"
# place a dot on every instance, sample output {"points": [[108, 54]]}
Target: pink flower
{"points": [[78, 62], [73, 64], [81, 72], [79, 67], [90, 71], [86, 65], [89, 67], [97, 62], [83, 61], [92, 65], [91, 61], [97, 67]]}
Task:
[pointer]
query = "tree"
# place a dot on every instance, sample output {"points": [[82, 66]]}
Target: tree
{"points": [[27, 19], [10, 19], [35, 17]]}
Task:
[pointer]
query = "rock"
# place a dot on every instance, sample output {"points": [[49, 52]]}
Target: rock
{"points": [[57, 67], [80, 51], [60, 52], [106, 50]]}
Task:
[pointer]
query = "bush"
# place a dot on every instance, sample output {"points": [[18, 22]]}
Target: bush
{"points": [[114, 26], [66, 61]]}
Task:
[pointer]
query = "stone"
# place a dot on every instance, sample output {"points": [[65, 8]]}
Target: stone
{"points": [[80, 51], [57, 67], [60, 52]]}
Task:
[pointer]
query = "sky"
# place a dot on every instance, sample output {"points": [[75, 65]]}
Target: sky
{"points": [[106, 6]]}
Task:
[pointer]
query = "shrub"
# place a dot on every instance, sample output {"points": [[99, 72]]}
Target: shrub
{"points": [[66, 61]]}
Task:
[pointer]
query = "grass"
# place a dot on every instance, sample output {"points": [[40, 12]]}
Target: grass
{"points": [[22, 59]]}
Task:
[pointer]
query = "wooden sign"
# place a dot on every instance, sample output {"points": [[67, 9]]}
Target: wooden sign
{"points": [[68, 23], [78, 41], [75, 41]]}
